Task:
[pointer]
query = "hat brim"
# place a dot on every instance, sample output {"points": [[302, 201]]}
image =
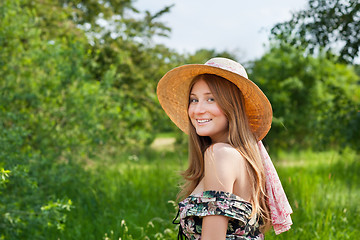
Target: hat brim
{"points": [[173, 90]]}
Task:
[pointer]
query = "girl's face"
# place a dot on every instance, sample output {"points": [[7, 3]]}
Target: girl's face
{"points": [[205, 115]]}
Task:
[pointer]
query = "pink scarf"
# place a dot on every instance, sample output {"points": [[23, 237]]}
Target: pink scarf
{"points": [[280, 209]]}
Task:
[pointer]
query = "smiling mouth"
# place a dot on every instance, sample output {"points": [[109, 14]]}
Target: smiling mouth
{"points": [[203, 120]]}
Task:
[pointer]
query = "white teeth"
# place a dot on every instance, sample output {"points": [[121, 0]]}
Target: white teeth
{"points": [[203, 121]]}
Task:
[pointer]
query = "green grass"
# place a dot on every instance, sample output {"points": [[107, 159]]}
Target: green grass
{"points": [[128, 197], [323, 189]]}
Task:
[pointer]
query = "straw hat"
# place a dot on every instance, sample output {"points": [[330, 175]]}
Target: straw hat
{"points": [[173, 91]]}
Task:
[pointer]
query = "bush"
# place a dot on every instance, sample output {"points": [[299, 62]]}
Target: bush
{"points": [[315, 100]]}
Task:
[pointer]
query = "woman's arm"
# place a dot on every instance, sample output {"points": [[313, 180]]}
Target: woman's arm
{"points": [[221, 161], [214, 227]]}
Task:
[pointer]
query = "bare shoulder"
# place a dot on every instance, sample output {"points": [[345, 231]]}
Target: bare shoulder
{"points": [[223, 152], [222, 162]]}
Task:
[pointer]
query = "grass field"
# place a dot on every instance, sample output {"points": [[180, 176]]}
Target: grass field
{"points": [[132, 196]]}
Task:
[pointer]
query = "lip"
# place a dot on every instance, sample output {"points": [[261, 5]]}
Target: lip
{"points": [[203, 121]]}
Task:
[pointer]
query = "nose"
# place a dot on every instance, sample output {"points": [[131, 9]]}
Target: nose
{"points": [[200, 108]]}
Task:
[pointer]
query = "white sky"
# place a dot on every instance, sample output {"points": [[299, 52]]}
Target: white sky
{"points": [[232, 25]]}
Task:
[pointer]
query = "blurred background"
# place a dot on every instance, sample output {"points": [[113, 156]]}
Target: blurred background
{"points": [[86, 152]]}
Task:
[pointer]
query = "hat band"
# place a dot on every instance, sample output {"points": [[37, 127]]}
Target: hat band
{"points": [[236, 70]]}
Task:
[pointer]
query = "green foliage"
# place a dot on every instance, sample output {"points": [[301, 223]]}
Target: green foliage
{"points": [[315, 100], [324, 24], [22, 136], [75, 93], [4, 174], [26, 208], [62, 99]]}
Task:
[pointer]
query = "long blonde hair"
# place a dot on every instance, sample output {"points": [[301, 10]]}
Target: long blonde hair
{"points": [[230, 99]]}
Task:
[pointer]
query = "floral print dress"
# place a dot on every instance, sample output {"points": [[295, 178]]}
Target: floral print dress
{"points": [[240, 226]]}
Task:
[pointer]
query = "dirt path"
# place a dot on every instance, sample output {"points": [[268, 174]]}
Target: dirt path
{"points": [[163, 143]]}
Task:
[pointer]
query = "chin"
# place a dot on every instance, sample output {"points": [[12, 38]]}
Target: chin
{"points": [[203, 133], [200, 133]]}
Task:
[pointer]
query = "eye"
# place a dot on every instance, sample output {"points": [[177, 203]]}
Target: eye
{"points": [[193, 100], [211, 99]]}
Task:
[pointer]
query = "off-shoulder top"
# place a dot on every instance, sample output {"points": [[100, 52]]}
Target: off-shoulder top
{"points": [[240, 226]]}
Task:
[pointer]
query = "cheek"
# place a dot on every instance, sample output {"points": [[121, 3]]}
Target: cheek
{"points": [[190, 111], [217, 111], [191, 115]]}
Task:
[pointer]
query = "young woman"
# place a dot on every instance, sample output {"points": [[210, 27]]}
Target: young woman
{"points": [[232, 190]]}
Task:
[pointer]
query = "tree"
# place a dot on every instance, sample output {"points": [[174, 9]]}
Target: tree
{"points": [[325, 24], [202, 55], [67, 93], [315, 100]]}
